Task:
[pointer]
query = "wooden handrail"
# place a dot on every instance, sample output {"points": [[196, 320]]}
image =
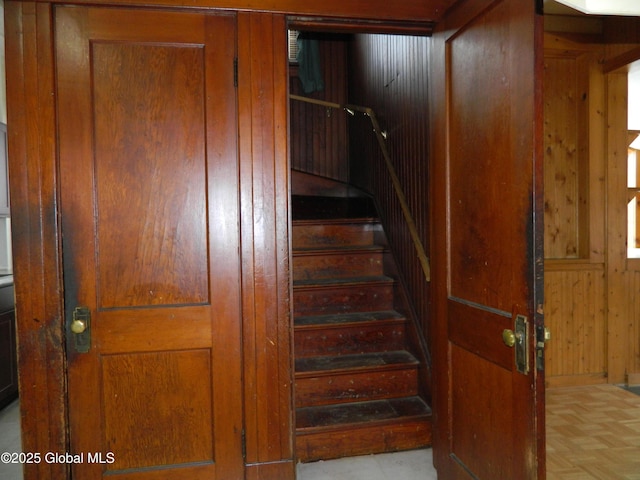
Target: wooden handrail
{"points": [[381, 136]]}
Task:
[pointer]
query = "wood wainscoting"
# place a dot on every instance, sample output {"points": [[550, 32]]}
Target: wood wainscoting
{"points": [[575, 313], [591, 306]]}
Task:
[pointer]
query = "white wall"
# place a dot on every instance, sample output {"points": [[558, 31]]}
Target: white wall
{"points": [[5, 224], [3, 91]]}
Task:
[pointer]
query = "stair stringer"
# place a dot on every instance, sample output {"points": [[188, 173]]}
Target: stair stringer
{"points": [[415, 334]]}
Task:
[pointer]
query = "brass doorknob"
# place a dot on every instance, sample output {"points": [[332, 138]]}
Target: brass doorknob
{"points": [[508, 337], [78, 326]]}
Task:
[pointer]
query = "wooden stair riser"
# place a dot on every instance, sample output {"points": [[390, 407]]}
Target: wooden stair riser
{"points": [[336, 264], [365, 440], [322, 300], [357, 383], [334, 235], [356, 386], [373, 336]]}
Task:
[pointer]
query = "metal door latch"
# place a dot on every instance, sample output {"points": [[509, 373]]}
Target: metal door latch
{"points": [[81, 328], [518, 339]]}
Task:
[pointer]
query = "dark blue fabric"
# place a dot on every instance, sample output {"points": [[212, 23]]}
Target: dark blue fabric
{"points": [[309, 69]]}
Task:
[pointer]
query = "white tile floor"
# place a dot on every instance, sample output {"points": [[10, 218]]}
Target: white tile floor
{"points": [[10, 440], [412, 465]]}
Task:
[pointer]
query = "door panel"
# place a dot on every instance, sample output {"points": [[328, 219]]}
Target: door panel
{"points": [[129, 416], [489, 416], [134, 115], [149, 208], [473, 399]]}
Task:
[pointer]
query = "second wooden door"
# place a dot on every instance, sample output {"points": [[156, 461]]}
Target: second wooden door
{"points": [[150, 224]]}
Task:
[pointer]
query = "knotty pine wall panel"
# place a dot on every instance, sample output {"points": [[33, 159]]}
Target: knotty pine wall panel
{"points": [[591, 303], [389, 74], [575, 270], [575, 314], [566, 155]]}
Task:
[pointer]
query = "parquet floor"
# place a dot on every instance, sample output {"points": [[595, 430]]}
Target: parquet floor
{"points": [[593, 433]]}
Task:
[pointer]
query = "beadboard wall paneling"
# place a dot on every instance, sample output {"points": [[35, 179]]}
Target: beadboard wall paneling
{"points": [[575, 314], [318, 136], [389, 74]]}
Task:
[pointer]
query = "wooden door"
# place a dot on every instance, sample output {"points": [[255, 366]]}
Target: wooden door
{"points": [[149, 207], [487, 254]]}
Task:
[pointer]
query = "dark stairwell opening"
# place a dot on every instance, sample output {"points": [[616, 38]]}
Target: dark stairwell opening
{"points": [[361, 297]]}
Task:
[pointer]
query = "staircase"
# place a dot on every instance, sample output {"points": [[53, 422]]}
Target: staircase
{"points": [[356, 380]]}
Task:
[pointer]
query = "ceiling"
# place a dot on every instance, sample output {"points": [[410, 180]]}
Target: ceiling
{"points": [[560, 18], [604, 7], [617, 7], [551, 7]]}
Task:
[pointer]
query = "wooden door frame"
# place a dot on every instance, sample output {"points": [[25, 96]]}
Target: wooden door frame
{"points": [[263, 157], [357, 26], [36, 233]]}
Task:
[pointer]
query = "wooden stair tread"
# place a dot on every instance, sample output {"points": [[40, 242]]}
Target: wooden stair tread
{"points": [[330, 364], [342, 282], [335, 232], [337, 250], [359, 413], [357, 384], [334, 221], [343, 319]]}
